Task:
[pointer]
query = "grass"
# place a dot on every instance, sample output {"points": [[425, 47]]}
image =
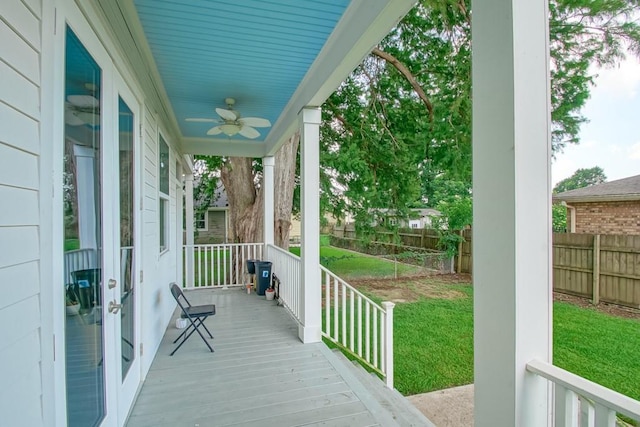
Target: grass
{"points": [[351, 265], [71, 244], [434, 345], [598, 346]]}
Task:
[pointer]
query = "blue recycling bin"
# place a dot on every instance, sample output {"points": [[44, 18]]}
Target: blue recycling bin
{"points": [[263, 275]]}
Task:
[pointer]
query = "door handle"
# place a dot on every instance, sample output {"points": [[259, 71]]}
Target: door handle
{"points": [[114, 307], [112, 283]]}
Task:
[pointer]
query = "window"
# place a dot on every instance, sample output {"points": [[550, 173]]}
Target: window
{"points": [[201, 220], [163, 186], [414, 225]]}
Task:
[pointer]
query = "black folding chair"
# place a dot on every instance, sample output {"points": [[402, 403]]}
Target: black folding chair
{"points": [[196, 314]]}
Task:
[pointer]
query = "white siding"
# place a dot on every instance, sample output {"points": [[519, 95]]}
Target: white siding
{"points": [[158, 269], [20, 335]]}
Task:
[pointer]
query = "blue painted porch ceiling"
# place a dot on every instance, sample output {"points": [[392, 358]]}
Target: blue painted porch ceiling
{"points": [[255, 51]]}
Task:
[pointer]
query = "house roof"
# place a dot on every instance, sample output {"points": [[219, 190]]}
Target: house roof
{"points": [[626, 189]]}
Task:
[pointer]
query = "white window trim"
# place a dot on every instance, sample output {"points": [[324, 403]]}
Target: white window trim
{"points": [[206, 222], [165, 198]]}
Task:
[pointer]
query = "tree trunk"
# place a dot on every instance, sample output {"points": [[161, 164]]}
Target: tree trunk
{"points": [[246, 200], [285, 184]]}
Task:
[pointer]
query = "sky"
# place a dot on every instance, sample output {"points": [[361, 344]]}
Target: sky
{"points": [[611, 139]]}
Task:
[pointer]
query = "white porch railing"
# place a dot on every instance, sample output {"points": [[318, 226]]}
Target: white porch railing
{"points": [[359, 325], [217, 266], [286, 266], [580, 402]]}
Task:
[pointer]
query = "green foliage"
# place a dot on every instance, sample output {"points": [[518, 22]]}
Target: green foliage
{"points": [[581, 178], [559, 218], [385, 147], [456, 215]]}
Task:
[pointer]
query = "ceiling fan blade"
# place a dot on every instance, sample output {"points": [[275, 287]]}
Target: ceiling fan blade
{"points": [[92, 119], [256, 122], [227, 114], [249, 132], [83, 101], [214, 131], [71, 118], [200, 120]]}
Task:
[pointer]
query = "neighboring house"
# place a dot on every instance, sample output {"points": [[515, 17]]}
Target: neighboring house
{"points": [[422, 218], [212, 224], [418, 218], [609, 208]]}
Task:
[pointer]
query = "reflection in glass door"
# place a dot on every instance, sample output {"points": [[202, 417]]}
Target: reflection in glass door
{"points": [[85, 376], [127, 235]]}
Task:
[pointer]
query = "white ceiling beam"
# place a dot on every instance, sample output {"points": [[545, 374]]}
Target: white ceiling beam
{"points": [[222, 147]]}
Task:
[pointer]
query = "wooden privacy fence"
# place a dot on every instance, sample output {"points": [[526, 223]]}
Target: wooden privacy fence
{"points": [[602, 267]]}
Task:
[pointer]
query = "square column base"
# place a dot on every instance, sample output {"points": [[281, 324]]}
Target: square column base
{"points": [[309, 334]]}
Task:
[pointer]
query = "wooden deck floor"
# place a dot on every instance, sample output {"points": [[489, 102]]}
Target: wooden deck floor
{"points": [[260, 374]]}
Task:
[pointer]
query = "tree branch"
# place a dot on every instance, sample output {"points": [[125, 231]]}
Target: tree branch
{"points": [[407, 75]]}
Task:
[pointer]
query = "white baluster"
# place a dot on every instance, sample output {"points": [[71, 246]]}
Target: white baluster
{"points": [[388, 348]]}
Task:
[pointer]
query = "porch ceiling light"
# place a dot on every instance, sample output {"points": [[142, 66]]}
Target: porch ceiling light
{"points": [[230, 129]]}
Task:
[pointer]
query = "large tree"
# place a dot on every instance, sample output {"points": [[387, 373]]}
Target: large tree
{"points": [[397, 133], [581, 178]]}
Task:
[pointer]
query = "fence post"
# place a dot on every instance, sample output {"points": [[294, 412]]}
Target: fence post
{"points": [[459, 266], [388, 343], [596, 269]]}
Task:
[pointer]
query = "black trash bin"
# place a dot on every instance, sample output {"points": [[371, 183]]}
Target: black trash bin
{"points": [[87, 287], [251, 266], [263, 273]]}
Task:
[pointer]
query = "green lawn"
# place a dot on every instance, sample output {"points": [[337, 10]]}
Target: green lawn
{"points": [[434, 345], [351, 265]]}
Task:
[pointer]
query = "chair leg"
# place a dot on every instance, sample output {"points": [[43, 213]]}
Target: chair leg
{"points": [[195, 329], [201, 322]]}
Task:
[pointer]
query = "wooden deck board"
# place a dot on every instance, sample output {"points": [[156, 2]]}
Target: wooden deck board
{"points": [[259, 375]]}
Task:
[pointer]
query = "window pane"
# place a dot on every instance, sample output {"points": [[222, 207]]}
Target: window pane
{"points": [[82, 236], [163, 166], [126, 159], [163, 224]]}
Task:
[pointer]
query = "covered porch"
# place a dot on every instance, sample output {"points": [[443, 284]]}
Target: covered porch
{"points": [[261, 374]]}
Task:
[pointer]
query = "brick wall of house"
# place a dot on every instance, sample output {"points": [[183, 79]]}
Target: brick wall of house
{"points": [[607, 217]]}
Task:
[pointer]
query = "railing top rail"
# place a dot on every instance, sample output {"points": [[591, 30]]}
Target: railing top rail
{"points": [[618, 402], [221, 244], [283, 252], [357, 292]]}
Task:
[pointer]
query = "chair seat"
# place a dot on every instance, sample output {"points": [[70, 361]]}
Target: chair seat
{"points": [[199, 310]]}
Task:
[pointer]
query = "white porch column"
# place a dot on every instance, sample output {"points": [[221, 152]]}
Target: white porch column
{"points": [[188, 199], [310, 330], [268, 164], [512, 225], [85, 191]]}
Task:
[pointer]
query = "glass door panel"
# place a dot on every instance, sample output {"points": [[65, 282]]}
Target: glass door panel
{"points": [[83, 257], [127, 236]]}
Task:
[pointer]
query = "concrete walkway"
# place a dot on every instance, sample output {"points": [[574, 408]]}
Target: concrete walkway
{"points": [[452, 407]]}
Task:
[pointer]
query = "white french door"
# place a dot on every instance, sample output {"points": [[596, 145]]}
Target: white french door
{"points": [[101, 230], [125, 296]]}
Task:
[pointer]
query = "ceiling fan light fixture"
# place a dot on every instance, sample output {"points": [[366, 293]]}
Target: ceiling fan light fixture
{"points": [[230, 129]]}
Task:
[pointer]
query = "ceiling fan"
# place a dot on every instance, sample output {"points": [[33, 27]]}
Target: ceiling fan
{"points": [[83, 109], [231, 123]]}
